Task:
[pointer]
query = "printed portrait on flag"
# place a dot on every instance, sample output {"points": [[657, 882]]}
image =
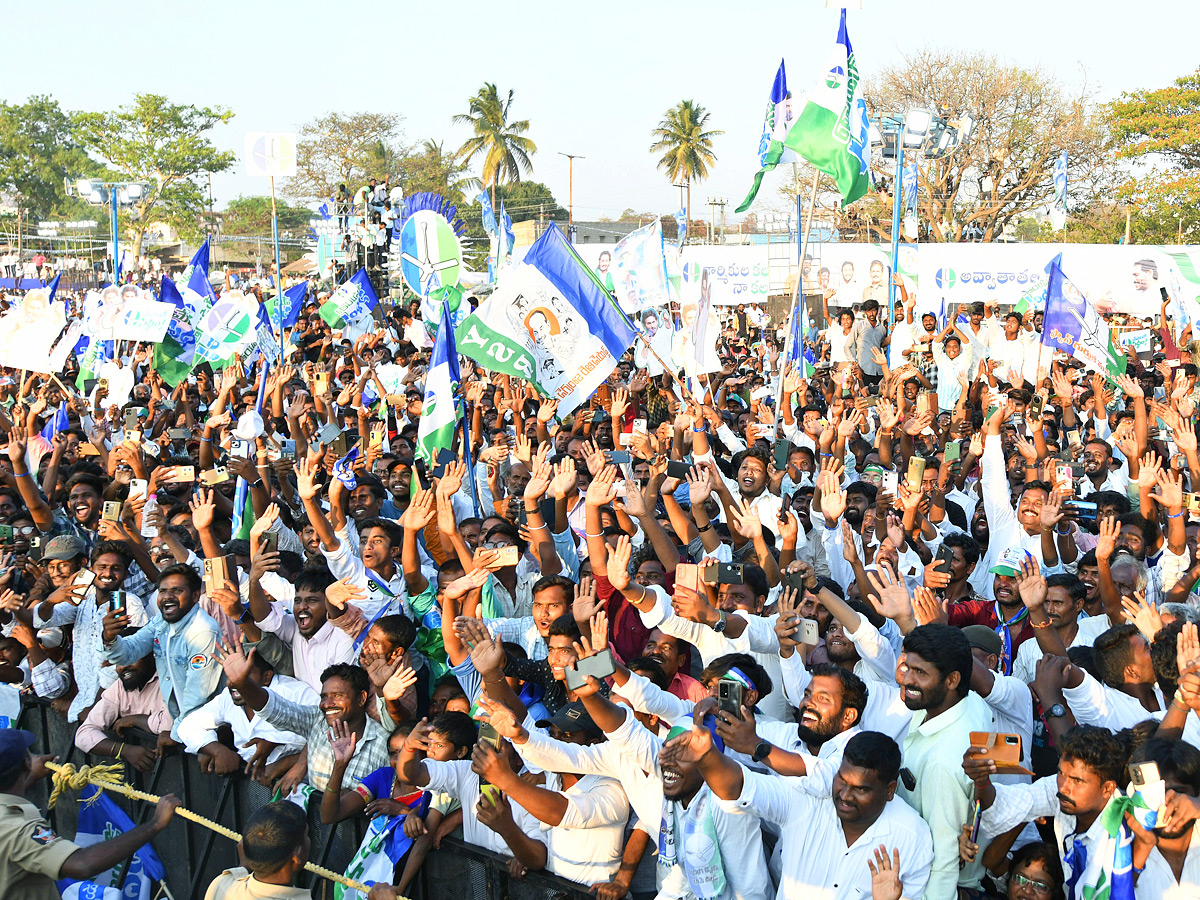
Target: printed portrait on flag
{"points": [[28, 332], [553, 330], [604, 269], [656, 331]]}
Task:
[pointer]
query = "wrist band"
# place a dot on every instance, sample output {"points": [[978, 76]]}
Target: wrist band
{"points": [[1045, 624], [707, 527], [1175, 515], [203, 438], [1062, 533], [598, 535], [536, 527], [22, 475], [697, 431]]}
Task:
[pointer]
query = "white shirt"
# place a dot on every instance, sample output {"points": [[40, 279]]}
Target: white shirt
{"points": [[456, 779], [1028, 654], [1009, 357], [311, 656], [817, 863], [199, 727], [1159, 881], [585, 847]]}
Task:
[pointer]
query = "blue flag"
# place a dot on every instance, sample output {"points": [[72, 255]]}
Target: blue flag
{"points": [[350, 302], [776, 123], [197, 293], [1071, 324], [908, 184], [1058, 209], [510, 241], [681, 226], [58, 422], [54, 287], [293, 301], [489, 215], [439, 412], [100, 819]]}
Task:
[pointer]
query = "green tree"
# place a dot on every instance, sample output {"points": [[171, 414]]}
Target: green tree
{"points": [[498, 140], [38, 152], [529, 200], [164, 144], [431, 168], [1159, 132], [252, 215], [685, 142], [345, 149]]}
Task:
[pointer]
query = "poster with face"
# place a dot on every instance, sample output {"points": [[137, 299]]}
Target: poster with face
{"points": [[656, 331]]}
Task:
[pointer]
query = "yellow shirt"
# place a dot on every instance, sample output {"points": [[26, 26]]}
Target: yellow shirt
{"points": [[238, 884]]}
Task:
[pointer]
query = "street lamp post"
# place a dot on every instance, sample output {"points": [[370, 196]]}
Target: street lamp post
{"points": [[571, 157], [120, 193]]}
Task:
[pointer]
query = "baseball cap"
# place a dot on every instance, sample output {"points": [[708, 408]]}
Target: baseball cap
{"points": [[65, 546], [1009, 563], [573, 717], [14, 744], [984, 638]]}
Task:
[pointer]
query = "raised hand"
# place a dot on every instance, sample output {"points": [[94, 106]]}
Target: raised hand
{"points": [[1031, 584], [306, 472], [421, 510], [928, 608], [885, 874], [460, 587], [601, 491], [203, 508], [833, 500], [1106, 543], [890, 595], [618, 564], [565, 478], [499, 717], [342, 740], [1051, 513], [237, 663], [399, 683], [1142, 614], [342, 592]]}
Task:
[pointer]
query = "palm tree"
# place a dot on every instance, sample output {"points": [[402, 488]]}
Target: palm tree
{"points": [[501, 142], [685, 144]]}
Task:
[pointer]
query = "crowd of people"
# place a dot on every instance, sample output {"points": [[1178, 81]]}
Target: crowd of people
{"points": [[918, 623]]}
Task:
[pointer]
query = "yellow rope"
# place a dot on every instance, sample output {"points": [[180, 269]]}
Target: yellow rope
{"points": [[108, 777]]}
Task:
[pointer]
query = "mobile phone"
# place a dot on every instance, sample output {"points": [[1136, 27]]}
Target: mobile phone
{"points": [[783, 449], [760, 394], [617, 457], [809, 632], [328, 434], [625, 440], [794, 580], [489, 735], [211, 477], [1080, 510], [340, 445], [102, 383], [890, 483], [270, 542], [1037, 404], [639, 426], [1192, 502], [179, 434], [943, 559], [505, 556], [139, 487], [36, 549], [288, 449], [916, 472], [722, 573], [1064, 476], [131, 420], [218, 571], [599, 665], [239, 447], [731, 696], [1003, 749], [320, 382], [84, 577], [183, 474], [687, 575], [603, 395], [620, 490], [953, 451], [976, 818], [1142, 774], [6, 535], [1073, 437], [111, 511], [378, 433], [677, 469], [116, 602], [1179, 462]]}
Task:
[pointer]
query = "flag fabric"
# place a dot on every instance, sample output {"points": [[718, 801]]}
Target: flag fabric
{"points": [[908, 182], [60, 421], [175, 354], [431, 308], [550, 322], [439, 412], [639, 270], [681, 227], [53, 287], [771, 147], [292, 301], [350, 302], [831, 130], [1071, 324], [509, 240], [100, 819], [343, 469], [198, 296], [381, 850], [1058, 209], [95, 354], [489, 215]]}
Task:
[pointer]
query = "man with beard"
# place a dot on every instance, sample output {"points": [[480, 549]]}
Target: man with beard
{"points": [[828, 842], [259, 747], [1091, 768], [182, 636], [134, 700], [344, 693], [964, 557], [749, 488], [1098, 474], [1170, 853], [1064, 604]]}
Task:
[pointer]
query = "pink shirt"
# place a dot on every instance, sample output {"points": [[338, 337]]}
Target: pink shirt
{"points": [[685, 687], [116, 702]]}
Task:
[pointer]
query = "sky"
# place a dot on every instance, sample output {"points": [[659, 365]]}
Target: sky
{"points": [[593, 79]]}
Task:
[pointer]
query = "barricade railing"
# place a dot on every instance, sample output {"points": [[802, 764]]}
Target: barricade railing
{"points": [[193, 856]]}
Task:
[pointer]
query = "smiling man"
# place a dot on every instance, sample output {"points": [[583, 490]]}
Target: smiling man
{"points": [[344, 692], [183, 638]]}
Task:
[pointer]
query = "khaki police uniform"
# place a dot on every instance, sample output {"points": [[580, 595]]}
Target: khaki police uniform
{"points": [[238, 884], [31, 854]]}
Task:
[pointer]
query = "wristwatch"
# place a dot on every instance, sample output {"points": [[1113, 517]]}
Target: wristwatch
{"points": [[762, 751], [719, 627], [1057, 711]]}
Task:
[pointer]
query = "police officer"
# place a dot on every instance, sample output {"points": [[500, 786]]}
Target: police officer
{"points": [[32, 856]]}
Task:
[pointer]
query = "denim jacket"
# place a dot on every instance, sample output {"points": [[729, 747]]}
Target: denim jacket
{"points": [[188, 671]]}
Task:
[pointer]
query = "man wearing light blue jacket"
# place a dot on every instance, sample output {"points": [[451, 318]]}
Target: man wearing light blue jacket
{"points": [[182, 637]]}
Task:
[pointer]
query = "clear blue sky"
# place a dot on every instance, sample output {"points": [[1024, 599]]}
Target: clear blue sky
{"points": [[593, 79]]}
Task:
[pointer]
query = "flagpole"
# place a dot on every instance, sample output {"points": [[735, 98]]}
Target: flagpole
{"points": [[787, 347], [278, 271], [462, 404], [668, 369], [239, 492]]}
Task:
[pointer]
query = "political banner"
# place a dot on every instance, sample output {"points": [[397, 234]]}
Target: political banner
{"points": [[656, 330], [143, 319], [227, 328], [100, 819], [639, 269], [1138, 339], [28, 332], [1073, 325]]}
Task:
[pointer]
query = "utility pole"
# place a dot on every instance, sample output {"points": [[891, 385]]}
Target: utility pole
{"points": [[721, 203], [541, 213], [571, 157], [712, 220]]}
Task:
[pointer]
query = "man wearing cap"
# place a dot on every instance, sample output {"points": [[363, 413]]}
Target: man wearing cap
{"points": [[1006, 696], [32, 856], [586, 815], [62, 558]]}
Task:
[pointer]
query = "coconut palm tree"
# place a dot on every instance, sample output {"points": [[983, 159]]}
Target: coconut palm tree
{"points": [[500, 142], [685, 144]]}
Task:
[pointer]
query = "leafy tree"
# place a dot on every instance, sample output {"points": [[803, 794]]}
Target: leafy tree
{"points": [[252, 215], [164, 144], [685, 141], [38, 151], [345, 149], [526, 200], [1159, 131], [1023, 120], [498, 140], [430, 168]]}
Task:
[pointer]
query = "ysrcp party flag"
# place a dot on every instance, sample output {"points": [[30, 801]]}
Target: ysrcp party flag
{"points": [[175, 354], [291, 301], [198, 296], [431, 308], [776, 121], [100, 819], [1071, 324], [640, 270], [227, 328], [350, 302], [549, 322], [1058, 209], [439, 413], [831, 130]]}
